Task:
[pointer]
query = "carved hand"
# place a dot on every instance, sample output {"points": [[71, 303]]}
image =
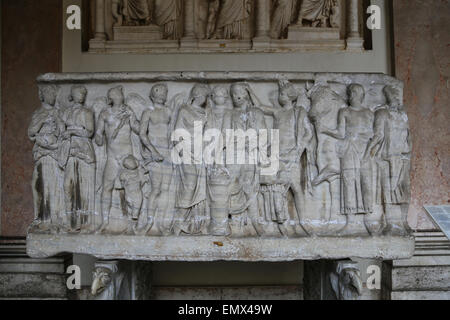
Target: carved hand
{"points": [[157, 157], [99, 140]]}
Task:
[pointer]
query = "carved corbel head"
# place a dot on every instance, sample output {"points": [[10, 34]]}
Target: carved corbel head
{"points": [[346, 281], [103, 276]]}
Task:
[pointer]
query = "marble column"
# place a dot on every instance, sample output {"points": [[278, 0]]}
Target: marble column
{"points": [[100, 20], [188, 40], [262, 18], [262, 38], [355, 41]]}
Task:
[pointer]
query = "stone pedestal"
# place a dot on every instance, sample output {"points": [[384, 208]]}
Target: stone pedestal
{"points": [[355, 44], [300, 33], [140, 33], [24, 278], [223, 45]]}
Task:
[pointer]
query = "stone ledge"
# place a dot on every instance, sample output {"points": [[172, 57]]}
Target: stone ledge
{"points": [[206, 248]]}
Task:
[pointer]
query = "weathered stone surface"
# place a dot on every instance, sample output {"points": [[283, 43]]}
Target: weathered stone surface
{"points": [[33, 285], [217, 293], [219, 248], [110, 165], [224, 25], [421, 278], [421, 295]]}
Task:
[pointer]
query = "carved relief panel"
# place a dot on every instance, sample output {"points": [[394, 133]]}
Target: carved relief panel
{"points": [[224, 155], [225, 25]]}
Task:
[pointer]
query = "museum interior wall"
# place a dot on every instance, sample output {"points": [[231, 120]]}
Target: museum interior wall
{"points": [[42, 44]]}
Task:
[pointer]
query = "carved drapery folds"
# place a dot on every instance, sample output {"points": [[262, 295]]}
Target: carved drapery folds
{"points": [[257, 155], [226, 25]]}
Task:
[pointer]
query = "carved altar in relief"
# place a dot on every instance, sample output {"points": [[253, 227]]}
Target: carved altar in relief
{"points": [[221, 166], [146, 26]]}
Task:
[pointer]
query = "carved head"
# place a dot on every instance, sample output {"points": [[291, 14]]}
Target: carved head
{"points": [[199, 94], [130, 163], [393, 95], [287, 93], [102, 279], [78, 94], [116, 96], [240, 94], [356, 94], [158, 93], [48, 94], [346, 282], [220, 95]]}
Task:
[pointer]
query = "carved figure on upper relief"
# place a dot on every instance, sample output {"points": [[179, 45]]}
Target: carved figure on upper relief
{"points": [[115, 123], [282, 17], [132, 12], [132, 181], [244, 119], [229, 19], [168, 14], [319, 13], [77, 158], [391, 146], [45, 129], [295, 136], [192, 208], [155, 130], [355, 130]]}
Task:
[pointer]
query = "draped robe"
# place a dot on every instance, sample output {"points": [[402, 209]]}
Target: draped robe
{"points": [[168, 15], [233, 18]]}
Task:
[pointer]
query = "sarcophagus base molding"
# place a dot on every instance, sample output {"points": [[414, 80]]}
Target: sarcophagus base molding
{"points": [[220, 249]]}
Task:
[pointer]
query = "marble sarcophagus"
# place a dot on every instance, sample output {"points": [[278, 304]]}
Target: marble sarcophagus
{"points": [[221, 166]]}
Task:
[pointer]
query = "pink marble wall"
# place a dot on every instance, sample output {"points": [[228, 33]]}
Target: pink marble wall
{"points": [[422, 61], [31, 45]]}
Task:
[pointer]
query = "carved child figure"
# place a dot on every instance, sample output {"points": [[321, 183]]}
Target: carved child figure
{"points": [[132, 182]]}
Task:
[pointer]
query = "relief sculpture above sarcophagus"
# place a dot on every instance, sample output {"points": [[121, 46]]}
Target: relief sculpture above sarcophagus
{"points": [[152, 26], [221, 166]]}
